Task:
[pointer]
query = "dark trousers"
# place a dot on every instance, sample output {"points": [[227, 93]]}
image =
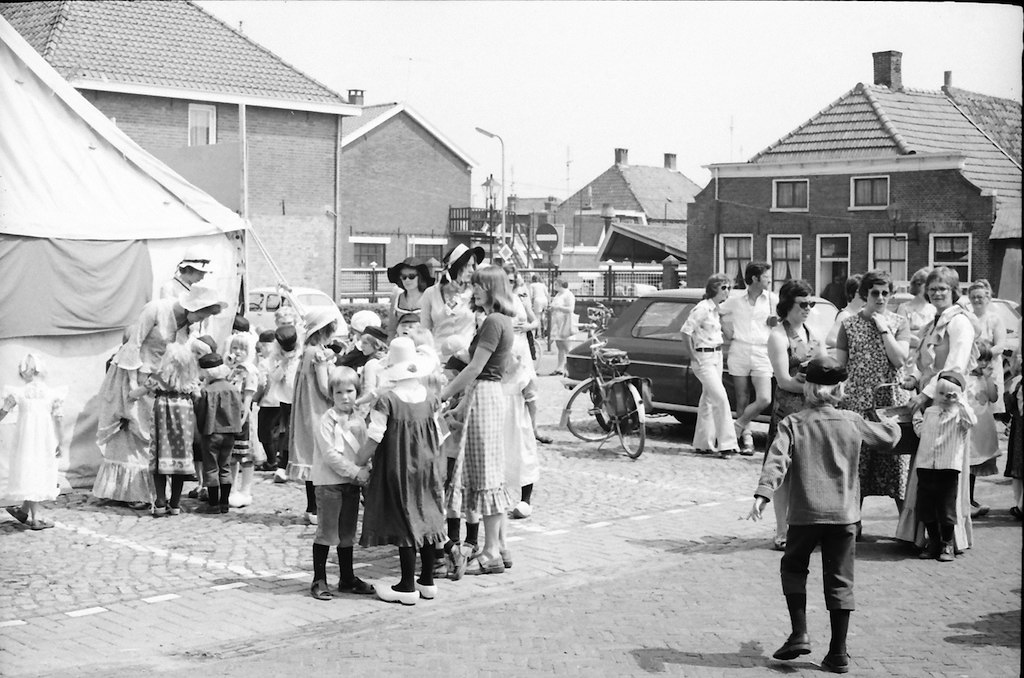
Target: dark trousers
{"points": [[265, 424], [217, 459], [838, 549], [936, 495], [284, 422]]}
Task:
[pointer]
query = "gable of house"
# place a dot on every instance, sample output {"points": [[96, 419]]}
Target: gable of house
{"points": [[376, 116], [158, 45], [662, 193]]}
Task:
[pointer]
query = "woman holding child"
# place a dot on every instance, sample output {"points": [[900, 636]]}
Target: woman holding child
{"points": [[412, 278]]}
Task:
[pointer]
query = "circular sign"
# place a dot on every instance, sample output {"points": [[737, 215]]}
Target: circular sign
{"points": [[546, 237]]}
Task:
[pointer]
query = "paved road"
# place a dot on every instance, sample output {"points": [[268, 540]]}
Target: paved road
{"points": [[626, 568]]}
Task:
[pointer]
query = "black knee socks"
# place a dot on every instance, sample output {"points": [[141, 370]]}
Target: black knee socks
{"points": [[427, 565], [213, 495], [345, 564], [320, 552], [454, 529], [840, 625], [526, 493], [310, 497], [797, 604], [225, 492], [407, 559], [177, 482], [946, 533], [472, 533], [160, 480]]}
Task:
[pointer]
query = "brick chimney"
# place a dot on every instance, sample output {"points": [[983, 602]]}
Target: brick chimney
{"points": [[621, 156], [947, 79], [355, 97], [670, 161], [889, 69]]}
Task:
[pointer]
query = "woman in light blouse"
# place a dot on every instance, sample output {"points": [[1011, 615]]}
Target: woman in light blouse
{"points": [[702, 338]]}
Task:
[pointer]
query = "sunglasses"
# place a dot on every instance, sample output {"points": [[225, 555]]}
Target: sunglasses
{"points": [[880, 293], [806, 304], [410, 276]]}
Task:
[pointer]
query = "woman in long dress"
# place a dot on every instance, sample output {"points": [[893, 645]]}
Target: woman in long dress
{"points": [[563, 312]]}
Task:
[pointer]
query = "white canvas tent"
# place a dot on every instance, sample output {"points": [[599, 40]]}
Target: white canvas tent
{"points": [[90, 226]]}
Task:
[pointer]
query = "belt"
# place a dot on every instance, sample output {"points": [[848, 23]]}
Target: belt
{"points": [[708, 349]]}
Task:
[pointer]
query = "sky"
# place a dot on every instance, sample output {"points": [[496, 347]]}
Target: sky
{"points": [[566, 83]]}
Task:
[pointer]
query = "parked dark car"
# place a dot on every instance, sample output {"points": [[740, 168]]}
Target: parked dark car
{"points": [[648, 329]]}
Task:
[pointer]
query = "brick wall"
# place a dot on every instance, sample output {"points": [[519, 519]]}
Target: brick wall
{"points": [[301, 246], [398, 181], [930, 202]]}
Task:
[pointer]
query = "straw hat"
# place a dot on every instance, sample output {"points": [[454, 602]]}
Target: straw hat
{"points": [[460, 252], [200, 297], [414, 263], [405, 361], [318, 318]]}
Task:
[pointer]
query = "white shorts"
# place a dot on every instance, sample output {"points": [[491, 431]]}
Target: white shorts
{"points": [[749, 360]]}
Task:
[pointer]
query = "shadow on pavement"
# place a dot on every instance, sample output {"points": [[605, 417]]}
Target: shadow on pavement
{"points": [[995, 628], [750, 655], [886, 549], [712, 544]]}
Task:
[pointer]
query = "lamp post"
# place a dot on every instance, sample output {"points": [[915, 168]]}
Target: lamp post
{"points": [[489, 187], [501, 141]]}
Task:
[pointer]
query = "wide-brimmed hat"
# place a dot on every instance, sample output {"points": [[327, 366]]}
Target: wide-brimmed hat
{"points": [[363, 319], [199, 297], [318, 318], [405, 361], [415, 263], [461, 253], [196, 257]]}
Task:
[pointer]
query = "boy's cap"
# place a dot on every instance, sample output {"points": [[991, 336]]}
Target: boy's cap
{"points": [[955, 377], [266, 336], [240, 324], [210, 360], [376, 333], [286, 336], [826, 371]]}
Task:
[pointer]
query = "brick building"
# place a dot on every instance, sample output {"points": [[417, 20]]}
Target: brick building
{"points": [[884, 177], [399, 175], [178, 81], [635, 195]]}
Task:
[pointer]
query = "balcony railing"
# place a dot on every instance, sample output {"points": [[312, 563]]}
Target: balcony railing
{"points": [[476, 221]]}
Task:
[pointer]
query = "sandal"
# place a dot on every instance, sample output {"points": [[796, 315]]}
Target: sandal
{"points": [[543, 439], [478, 566], [21, 516], [320, 591], [39, 524]]}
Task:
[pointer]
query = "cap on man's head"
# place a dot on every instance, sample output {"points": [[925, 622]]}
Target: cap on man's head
{"points": [[266, 336], [240, 324], [825, 371], [954, 377], [210, 360]]}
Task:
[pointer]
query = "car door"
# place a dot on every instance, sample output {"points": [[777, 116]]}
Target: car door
{"points": [[649, 331]]}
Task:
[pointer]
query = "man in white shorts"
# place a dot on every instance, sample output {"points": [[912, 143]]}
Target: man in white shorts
{"points": [[747, 320]]}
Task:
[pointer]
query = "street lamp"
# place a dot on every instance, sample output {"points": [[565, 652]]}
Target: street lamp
{"points": [[492, 135]]}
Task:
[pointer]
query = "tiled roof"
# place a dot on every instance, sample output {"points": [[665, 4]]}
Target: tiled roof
{"points": [[657, 192], [353, 128], [619, 244], [999, 118], [164, 44], [874, 121]]}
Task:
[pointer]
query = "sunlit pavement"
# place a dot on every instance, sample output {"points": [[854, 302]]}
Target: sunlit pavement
{"points": [[625, 568]]}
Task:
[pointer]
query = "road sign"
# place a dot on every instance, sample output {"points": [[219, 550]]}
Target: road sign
{"points": [[505, 252], [547, 237]]}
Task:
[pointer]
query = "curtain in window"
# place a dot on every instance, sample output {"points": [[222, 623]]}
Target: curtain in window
{"points": [[736, 254], [785, 260]]}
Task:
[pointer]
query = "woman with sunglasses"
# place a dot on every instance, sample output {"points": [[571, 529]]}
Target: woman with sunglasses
{"points": [[412, 277], [791, 345], [874, 344]]}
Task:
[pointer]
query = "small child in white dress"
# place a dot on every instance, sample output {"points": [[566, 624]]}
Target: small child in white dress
{"points": [[33, 465]]}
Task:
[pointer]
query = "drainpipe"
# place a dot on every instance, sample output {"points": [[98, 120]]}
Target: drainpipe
{"points": [[336, 285], [244, 199]]}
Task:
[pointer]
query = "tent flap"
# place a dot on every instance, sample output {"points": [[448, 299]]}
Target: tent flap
{"points": [[61, 287]]}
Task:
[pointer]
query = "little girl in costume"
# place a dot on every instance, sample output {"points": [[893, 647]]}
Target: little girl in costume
{"points": [[337, 479], [245, 378], [404, 500], [33, 470], [218, 419], [174, 387]]}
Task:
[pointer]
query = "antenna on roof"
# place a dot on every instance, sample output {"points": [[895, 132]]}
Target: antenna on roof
{"points": [[568, 162], [240, 30]]}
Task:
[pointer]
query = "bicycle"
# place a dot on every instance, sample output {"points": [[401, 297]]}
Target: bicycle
{"points": [[609, 402]]}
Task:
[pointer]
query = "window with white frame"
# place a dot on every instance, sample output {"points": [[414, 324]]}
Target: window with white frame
{"points": [[737, 252], [202, 125], [784, 256], [953, 251], [833, 266], [366, 253], [889, 253], [790, 194], [427, 248], [869, 192]]}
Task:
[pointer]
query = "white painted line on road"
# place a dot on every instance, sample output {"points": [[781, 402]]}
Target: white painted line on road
{"points": [[160, 599], [225, 587], [531, 528], [293, 575], [639, 517], [86, 612], [601, 524], [13, 622], [554, 532], [710, 503], [514, 538], [677, 510], [361, 565]]}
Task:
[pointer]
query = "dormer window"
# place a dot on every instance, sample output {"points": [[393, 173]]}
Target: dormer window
{"points": [[789, 195], [869, 193]]}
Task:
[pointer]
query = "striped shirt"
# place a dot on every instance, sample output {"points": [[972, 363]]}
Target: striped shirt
{"points": [[945, 435], [820, 449]]}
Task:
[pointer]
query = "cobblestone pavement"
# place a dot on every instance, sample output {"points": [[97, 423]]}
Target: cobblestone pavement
{"points": [[626, 568]]}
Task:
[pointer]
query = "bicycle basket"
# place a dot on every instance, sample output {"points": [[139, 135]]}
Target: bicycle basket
{"points": [[908, 439], [612, 362]]}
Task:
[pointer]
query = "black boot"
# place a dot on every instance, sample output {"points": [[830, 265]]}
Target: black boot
{"points": [[934, 545]]}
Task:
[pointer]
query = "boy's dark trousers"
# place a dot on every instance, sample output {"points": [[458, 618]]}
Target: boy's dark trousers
{"points": [[265, 423], [284, 422], [936, 503], [217, 459], [838, 548]]}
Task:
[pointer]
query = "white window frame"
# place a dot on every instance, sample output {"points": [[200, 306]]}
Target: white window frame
{"points": [[775, 194], [870, 208], [721, 248], [897, 284], [414, 240], [800, 259], [819, 260], [970, 254], [369, 239], [204, 108]]}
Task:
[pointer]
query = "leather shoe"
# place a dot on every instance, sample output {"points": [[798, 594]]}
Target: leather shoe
{"points": [[794, 646], [836, 663], [389, 595], [357, 586]]}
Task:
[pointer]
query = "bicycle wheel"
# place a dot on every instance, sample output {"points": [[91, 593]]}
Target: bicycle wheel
{"points": [[583, 414], [632, 426]]}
